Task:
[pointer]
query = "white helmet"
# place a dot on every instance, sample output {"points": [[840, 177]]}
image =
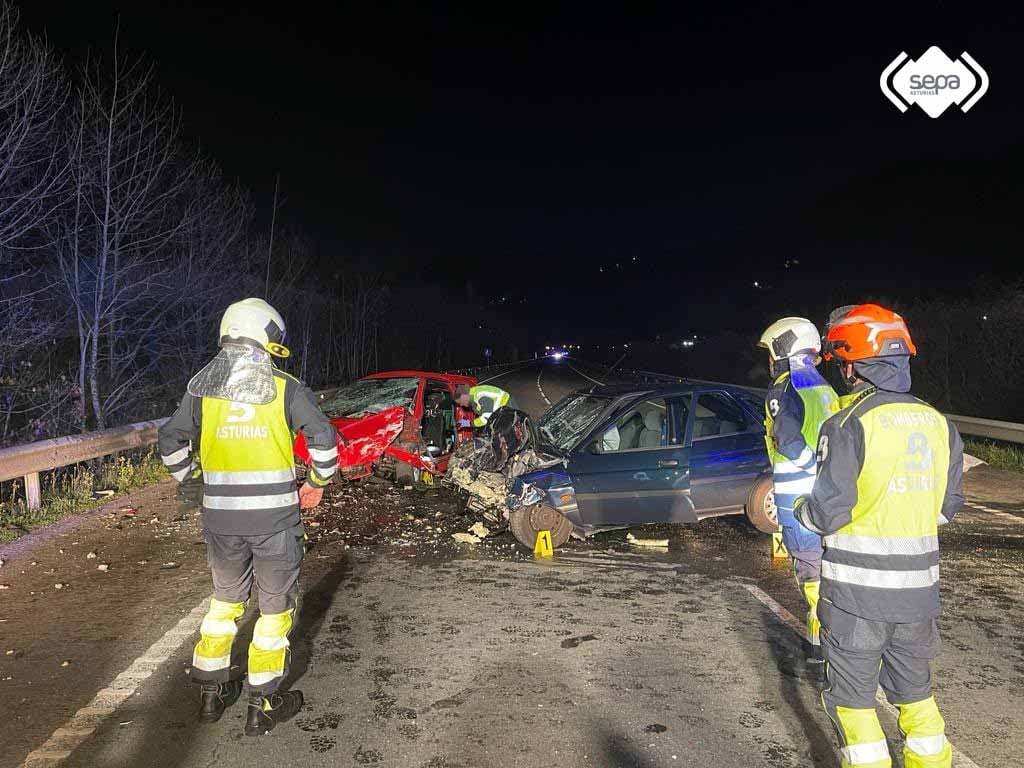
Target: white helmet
{"points": [[253, 321], [788, 336]]}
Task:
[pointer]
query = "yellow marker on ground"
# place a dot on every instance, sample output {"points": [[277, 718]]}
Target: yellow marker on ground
{"points": [[542, 547], [778, 547]]}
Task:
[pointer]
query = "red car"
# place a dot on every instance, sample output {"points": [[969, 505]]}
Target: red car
{"points": [[402, 425]]}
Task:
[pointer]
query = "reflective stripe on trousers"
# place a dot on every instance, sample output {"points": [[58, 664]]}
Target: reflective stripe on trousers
{"points": [[810, 591], [268, 652], [926, 745], [211, 658], [861, 738]]}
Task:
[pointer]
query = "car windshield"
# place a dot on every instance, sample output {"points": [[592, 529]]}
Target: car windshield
{"points": [[564, 425], [369, 396]]}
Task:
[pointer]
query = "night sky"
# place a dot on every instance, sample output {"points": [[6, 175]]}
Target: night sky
{"points": [[627, 173]]}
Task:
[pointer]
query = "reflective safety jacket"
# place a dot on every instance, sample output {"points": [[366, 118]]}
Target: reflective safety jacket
{"points": [[890, 470], [794, 413], [246, 455], [485, 401]]}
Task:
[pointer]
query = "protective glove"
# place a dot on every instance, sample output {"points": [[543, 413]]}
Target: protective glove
{"points": [[800, 513], [309, 496], [190, 492]]}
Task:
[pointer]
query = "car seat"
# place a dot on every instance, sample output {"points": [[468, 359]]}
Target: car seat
{"points": [[629, 432], [437, 426], [654, 424], [707, 424]]}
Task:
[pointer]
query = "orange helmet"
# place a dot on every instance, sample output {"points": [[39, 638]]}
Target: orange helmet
{"points": [[866, 330]]}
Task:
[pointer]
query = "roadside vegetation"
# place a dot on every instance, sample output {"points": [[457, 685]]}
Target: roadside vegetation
{"points": [[996, 454], [75, 489], [117, 232]]}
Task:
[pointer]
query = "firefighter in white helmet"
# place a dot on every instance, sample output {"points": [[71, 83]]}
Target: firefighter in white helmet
{"points": [[245, 413], [797, 404]]}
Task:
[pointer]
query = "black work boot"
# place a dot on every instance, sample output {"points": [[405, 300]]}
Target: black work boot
{"points": [[267, 711], [216, 698]]}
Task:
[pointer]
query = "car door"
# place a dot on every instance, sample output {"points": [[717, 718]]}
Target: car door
{"points": [[438, 423], [634, 468], [727, 452]]}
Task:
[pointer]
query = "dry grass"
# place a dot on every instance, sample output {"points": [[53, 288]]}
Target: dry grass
{"points": [[71, 490]]}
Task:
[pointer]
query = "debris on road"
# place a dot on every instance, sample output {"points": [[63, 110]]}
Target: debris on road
{"points": [[103, 567], [466, 538], [91, 556], [574, 642], [662, 543], [481, 530], [58, 585], [970, 462]]}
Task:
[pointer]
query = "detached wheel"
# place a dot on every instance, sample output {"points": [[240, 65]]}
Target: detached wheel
{"points": [[761, 510], [527, 522]]}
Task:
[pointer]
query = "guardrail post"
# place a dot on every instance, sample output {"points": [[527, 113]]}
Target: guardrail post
{"points": [[33, 493]]}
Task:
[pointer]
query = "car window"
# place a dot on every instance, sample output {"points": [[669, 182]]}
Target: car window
{"points": [[716, 415], [369, 396], [642, 426], [752, 401], [570, 420]]}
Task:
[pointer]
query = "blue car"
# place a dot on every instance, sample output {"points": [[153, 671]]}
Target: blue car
{"points": [[615, 456]]}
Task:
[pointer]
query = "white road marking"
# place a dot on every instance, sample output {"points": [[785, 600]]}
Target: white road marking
{"points": [[580, 373], [541, 390], [960, 760], [506, 373], [105, 703], [996, 512]]}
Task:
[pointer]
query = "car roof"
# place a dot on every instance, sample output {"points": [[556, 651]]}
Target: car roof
{"points": [[455, 378], [661, 388]]}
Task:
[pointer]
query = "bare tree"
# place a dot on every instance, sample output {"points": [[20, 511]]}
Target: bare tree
{"points": [[211, 268], [131, 183], [32, 96], [33, 172]]}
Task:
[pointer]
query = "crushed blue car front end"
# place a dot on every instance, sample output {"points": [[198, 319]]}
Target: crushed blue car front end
{"points": [[551, 486]]}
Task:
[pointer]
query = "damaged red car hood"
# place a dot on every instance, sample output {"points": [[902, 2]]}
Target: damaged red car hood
{"points": [[363, 440]]}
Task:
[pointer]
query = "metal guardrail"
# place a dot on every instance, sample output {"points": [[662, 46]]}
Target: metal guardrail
{"points": [[30, 459], [1007, 431]]}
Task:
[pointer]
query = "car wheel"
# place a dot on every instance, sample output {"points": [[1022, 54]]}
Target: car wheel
{"points": [[527, 522], [761, 510]]}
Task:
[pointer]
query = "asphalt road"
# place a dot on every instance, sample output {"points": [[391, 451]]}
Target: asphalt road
{"points": [[413, 650]]}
